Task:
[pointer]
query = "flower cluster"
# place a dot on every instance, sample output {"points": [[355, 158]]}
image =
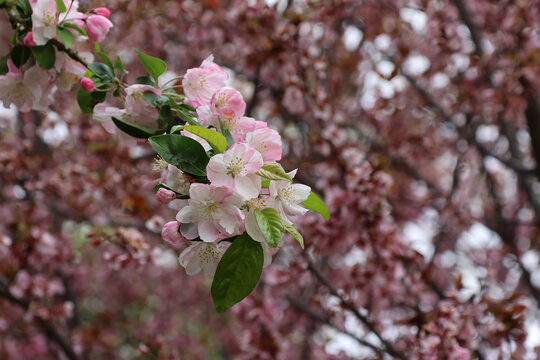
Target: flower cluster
{"points": [[35, 55], [220, 168]]}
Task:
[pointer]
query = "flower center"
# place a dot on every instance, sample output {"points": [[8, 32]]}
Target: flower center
{"points": [[236, 167], [208, 253], [210, 208], [159, 164], [254, 204], [286, 194], [49, 18]]}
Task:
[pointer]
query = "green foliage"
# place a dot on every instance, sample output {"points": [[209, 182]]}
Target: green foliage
{"points": [[237, 273], [132, 129], [60, 7], [153, 66], [215, 139], [292, 230], [75, 27], [183, 152], [273, 171], [102, 71], [44, 55], [20, 55], [87, 100], [65, 36], [314, 203], [271, 225]]}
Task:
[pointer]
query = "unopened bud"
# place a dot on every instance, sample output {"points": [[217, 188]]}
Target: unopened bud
{"points": [[87, 84], [103, 12]]}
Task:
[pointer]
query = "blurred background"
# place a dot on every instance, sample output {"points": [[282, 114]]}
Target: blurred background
{"points": [[418, 122]]}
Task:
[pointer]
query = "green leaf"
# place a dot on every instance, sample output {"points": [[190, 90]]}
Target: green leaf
{"points": [[66, 36], [183, 152], [134, 130], [292, 230], [273, 171], [87, 100], [265, 183], [215, 139], [44, 55], [3, 66], [118, 65], [20, 55], [145, 80], [188, 117], [237, 273], [314, 203], [271, 225], [153, 66], [155, 100], [75, 27], [102, 71], [60, 7]]}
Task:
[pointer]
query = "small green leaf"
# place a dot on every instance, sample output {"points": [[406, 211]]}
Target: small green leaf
{"points": [[134, 130], [265, 183], [292, 230], [188, 117], [273, 171], [154, 100], [75, 27], [60, 7], [237, 273], [118, 65], [153, 66], [102, 71], [44, 55], [314, 203], [145, 80], [183, 152], [215, 139], [66, 36], [271, 225], [20, 55], [87, 100]]}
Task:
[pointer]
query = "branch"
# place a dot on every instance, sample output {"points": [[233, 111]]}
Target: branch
{"points": [[348, 305], [467, 20], [49, 330]]}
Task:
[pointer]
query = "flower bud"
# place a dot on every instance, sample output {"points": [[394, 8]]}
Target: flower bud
{"points": [[97, 27], [29, 39], [170, 233], [103, 12], [165, 196], [87, 84]]}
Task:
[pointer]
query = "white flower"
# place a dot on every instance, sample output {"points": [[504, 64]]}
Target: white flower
{"points": [[177, 180], [286, 198], [43, 20], [202, 256], [24, 90]]}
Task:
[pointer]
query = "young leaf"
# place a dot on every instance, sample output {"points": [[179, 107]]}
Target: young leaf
{"points": [[118, 65], [153, 66], [44, 55], [292, 230], [20, 55], [60, 7], [237, 273], [314, 203], [66, 36], [183, 152], [102, 71], [134, 130], [271, 225], [273, 171], [265, 183], [215, 139], [87, 100], [145, 80], [155, 100]]}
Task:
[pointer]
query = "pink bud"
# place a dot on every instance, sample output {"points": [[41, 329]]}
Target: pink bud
{"points": [[29, 39], [103, 12], [87, 84], [97, 27], [170, 233], [165, 196]]}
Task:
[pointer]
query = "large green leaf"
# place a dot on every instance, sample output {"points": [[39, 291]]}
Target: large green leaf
{"points": [[60, 6], [183, 152], [153, 66], [273, 171], [134, 130], [87, 100], [20, 55], [237, 273], [271, 225], [44, 55], [102, 71], [313, 202], [215, 139]]}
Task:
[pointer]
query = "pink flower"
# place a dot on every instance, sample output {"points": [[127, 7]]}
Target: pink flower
{"points": [[201, 83], [136, 104], [266, 141], [29, 39], [228, 103], [97, 27], [214, 209], [202, 256], [26, 90], [103, 12], [44, 20], [236, 168], [68, 71], [87, 84], [165, 196], [286, 198], [170, 233], [240, 127]]}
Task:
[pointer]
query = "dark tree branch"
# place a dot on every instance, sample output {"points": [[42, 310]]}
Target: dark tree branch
{"points": [[467, 20]]}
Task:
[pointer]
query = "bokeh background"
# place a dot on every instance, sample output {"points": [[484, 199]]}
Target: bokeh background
{"points": [[418, 122]]}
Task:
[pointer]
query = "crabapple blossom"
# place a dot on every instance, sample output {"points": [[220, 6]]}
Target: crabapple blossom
{"points": [[165, 196], [214, 209], [103, 12], [87, 84], [267, 142], [170, 233], [178, 180], [29, 39], [201, 83], [137, 104], [228, 103], [44, 20], [236, 168], [97, 27], [202, 256], [25, 90], [286, 198]]}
